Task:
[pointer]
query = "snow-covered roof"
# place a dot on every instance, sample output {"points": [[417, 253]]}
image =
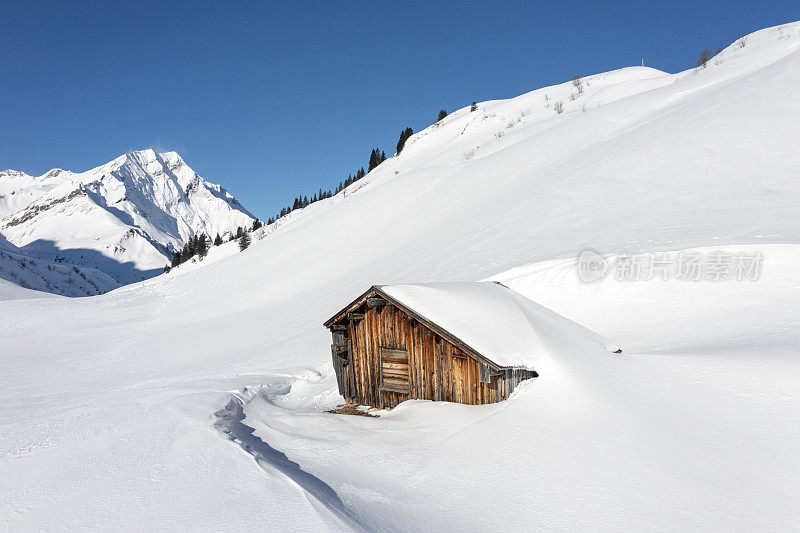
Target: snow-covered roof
{"points": [[497, 322]]}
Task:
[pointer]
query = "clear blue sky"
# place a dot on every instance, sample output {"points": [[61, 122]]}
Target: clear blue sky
{"points": [[275, 99]]}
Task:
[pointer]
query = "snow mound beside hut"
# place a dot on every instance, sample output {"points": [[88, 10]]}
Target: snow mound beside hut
{"points": [[499, 323]]}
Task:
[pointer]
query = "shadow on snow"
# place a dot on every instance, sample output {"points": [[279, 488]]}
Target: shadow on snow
{"points": [[229, 421]]}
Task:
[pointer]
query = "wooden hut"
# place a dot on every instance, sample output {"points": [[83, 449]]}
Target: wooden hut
{"points": [[470, 343]]}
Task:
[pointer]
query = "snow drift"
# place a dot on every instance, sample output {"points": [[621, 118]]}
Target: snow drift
{"points": [[109, 401], [499, 323]]}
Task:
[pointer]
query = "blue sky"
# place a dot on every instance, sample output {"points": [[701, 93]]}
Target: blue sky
{"points": [[276, 99]]}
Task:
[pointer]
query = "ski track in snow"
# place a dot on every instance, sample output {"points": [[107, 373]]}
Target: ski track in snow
{"points": [[230, 421]]}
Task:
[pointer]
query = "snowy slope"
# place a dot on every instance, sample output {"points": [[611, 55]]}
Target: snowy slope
{"points": [[124, 218], [53, 276], [693, 427], [57, 276]]}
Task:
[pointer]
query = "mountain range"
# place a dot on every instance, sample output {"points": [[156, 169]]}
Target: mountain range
{"points": [[84, 233]]}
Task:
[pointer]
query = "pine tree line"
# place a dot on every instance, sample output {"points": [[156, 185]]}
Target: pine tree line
{"points": [[196, 246], [199, 244], [376, 157]]}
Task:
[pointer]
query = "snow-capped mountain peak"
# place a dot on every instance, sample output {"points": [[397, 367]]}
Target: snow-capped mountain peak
{"points": [[124, 218]]}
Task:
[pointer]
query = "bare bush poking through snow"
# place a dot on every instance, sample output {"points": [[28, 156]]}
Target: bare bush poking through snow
{"points": [[559, 107], [705, 55], [741, 42], [577, 82]]}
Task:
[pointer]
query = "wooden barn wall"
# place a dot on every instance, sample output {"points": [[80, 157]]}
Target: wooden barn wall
{"points": [[438, 370]]}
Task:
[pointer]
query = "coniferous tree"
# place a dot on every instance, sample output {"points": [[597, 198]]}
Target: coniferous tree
{"points": [[201, 245], [404, 135], [176, 259], [383, 156], [374, 159], [167, 268], [244, 242], [442, 114], [217, 240], [257, 224], [188, 249], [239, 232]]}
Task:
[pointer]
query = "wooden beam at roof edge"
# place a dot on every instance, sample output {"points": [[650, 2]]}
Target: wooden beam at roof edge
{"points": [[375, 302]]}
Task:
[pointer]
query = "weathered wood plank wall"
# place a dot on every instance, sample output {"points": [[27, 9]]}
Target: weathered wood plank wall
{"points": [[436, 369]]}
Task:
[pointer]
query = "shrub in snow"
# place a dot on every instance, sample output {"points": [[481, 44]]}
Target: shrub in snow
{"points": [[559, 107], [741, 42], [705, 55]]}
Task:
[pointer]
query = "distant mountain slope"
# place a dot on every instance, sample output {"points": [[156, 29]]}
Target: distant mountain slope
{"points": [[124, 218], [53, 276]]}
